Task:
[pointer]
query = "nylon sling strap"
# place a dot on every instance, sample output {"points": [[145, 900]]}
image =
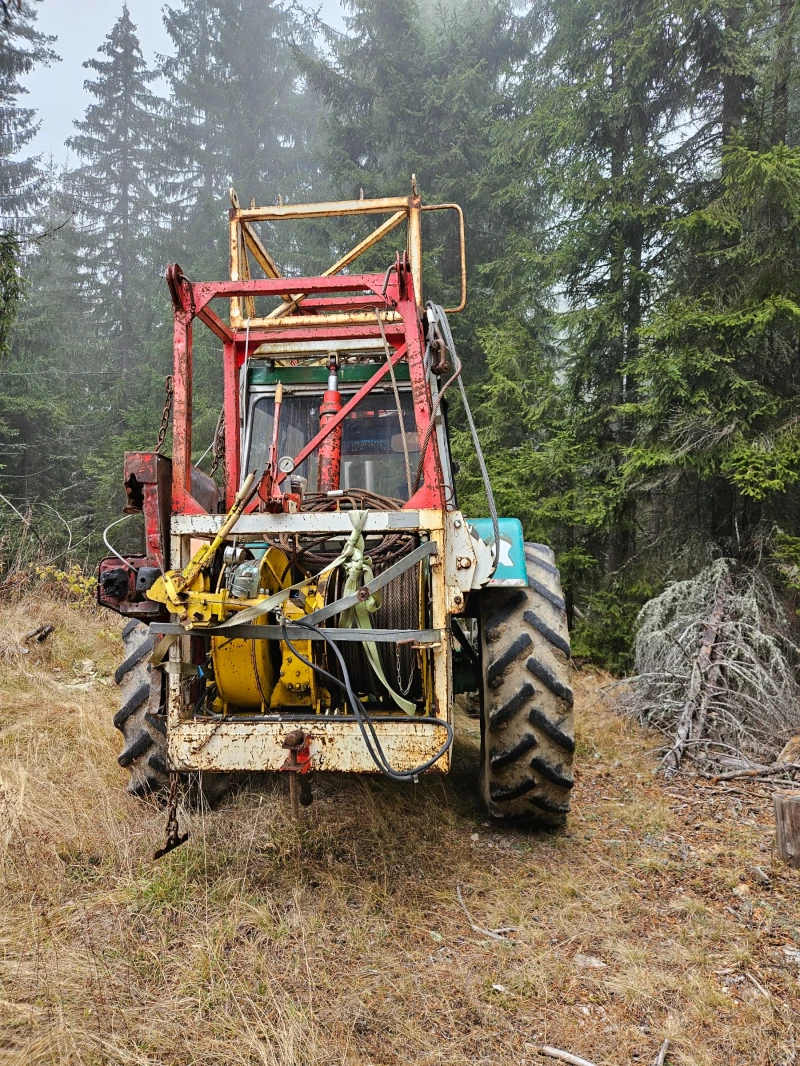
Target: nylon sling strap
{"points": [[365, 600], [358, 518], [422, 551]]}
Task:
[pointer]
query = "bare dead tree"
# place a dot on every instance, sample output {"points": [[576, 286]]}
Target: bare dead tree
{"points": [[716, 669]]}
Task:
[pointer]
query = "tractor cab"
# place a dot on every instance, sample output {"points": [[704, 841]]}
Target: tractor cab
{"points": [[372, 440]]}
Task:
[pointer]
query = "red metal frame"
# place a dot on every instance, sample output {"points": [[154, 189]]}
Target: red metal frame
{"points": [[336, 294]]}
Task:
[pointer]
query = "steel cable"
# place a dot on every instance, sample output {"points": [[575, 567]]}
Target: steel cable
{"points": [[438, 317]]}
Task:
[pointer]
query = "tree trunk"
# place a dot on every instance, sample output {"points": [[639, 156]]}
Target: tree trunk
{"points": [[722, 510], [787, 827], [734, 84], [705, 671], [783, 70], [620, 537]]}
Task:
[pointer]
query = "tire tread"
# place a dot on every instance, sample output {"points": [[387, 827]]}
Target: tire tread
{"points": [[527, 723]]}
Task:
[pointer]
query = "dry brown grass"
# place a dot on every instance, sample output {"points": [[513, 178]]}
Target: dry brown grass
{"points": [[341, 940]]}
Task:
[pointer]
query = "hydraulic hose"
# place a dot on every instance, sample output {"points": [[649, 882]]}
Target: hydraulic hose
{"points": [[365, 721]]}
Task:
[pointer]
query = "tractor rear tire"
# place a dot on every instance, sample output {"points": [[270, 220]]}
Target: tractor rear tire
{"points": [[527, 723], [144, 751]]}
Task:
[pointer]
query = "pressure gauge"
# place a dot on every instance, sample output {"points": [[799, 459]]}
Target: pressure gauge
{"points": [[286, 464]]}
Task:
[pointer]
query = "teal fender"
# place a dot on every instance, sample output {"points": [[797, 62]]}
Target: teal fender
{"points": [[511, 564]]}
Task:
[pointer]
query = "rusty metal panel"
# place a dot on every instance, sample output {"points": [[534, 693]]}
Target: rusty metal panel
{"points": [[335, 745], [379, 206]]}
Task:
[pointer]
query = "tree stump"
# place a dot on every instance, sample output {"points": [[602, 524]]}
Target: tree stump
{"points": [[787, 827]]}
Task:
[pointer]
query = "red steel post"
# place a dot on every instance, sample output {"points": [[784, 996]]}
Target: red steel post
{"points": [[231, 408], [330, 451], [182, 412], [430, 493]]}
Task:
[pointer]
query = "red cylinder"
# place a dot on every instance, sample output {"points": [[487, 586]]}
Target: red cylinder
{"points": [[330, 451]]}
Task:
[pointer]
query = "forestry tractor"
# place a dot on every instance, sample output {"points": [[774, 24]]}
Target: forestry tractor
{"points": [[319, 605]]}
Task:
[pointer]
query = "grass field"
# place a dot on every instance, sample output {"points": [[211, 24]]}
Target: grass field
{"points": [[341, 939]]}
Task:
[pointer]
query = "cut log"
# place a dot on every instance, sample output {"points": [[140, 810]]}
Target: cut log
{"points": [[787, 827], [41, 633], [790, 751]]}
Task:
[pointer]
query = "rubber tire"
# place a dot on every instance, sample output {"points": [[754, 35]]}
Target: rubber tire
{"points": [[144, 751], [527, 720]]}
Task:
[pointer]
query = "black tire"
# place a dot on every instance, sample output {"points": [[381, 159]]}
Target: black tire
{"points": [[144, 749], [528, 731]]}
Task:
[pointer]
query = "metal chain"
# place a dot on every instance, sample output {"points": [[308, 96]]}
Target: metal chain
{"points": [[219, 445], [172, 809], [162, 432], [403, 691], [174, 837]]}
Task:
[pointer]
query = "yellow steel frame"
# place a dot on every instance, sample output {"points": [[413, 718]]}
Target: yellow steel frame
{"points": [[245, 242]]}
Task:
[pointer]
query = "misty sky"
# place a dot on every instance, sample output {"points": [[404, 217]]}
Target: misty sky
{"points": [[81, 26]]}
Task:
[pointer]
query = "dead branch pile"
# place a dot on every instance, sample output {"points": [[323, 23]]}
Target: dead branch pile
{"points": [[716, 669]]}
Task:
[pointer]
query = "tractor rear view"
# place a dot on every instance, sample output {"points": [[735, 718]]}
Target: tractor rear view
{"points": [[320, 610]]}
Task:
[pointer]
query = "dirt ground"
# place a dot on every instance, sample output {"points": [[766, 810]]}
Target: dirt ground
{"points": [[661, 911]]}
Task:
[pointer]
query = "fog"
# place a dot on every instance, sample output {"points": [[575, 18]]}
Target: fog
{"points": [[80, 27]]}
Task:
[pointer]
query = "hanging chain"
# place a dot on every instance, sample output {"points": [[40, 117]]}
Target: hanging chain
{"points": [[219, 445], [403, 691], [162, 432], [174, 837]]}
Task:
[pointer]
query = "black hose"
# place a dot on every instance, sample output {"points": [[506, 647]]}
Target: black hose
{"points": [[364, 719]]}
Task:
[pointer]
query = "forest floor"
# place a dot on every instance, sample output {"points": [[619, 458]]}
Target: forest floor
{"points": [[341, 939]]}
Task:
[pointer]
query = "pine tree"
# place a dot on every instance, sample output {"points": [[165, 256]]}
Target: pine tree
{"points": [[21, 48], [118, 142], [719, 366], [55, 400], [238, 115]]}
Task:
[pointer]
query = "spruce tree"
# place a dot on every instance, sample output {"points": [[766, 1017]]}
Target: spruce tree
{"points": [[719, 366], [238, 114], [56, 386], [419, 89], [22, 47], [604, 128], [413, 93], [119, 145]]}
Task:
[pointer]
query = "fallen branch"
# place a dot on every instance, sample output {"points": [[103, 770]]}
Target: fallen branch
{"points": [[717, 671], [495, 934], [40, 634], [661, 1056], [763, 991], [758, 772], [557, 1053]]}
